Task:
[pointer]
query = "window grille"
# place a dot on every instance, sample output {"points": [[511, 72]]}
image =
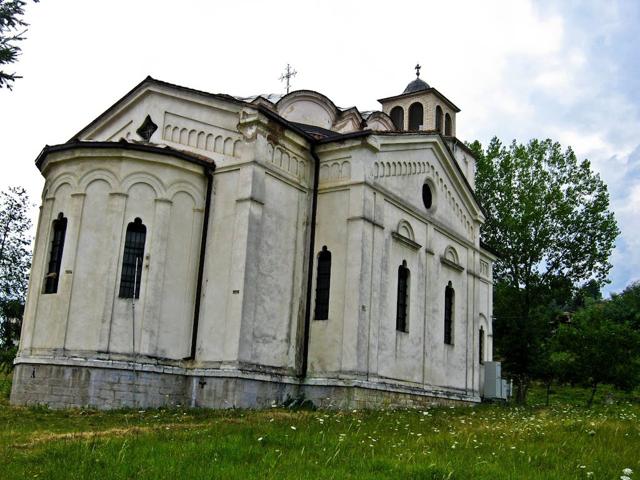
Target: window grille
{"points": [[132, 260], [59, 227], [449, 295], [403, 297], [323, 282]]}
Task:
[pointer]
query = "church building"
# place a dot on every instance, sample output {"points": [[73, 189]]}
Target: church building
{"points": [[209, 250]]}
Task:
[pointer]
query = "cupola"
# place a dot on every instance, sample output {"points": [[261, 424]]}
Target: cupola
{"points": [[421, 107]]}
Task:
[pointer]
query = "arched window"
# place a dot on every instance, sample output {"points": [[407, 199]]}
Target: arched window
{"points": [[447, 124], [427, 196], [415, 116], [439, 118], [403, 297], [323, 282], [481, 346], [59, 230], [397, 117], [132, 260], [449, 297]]}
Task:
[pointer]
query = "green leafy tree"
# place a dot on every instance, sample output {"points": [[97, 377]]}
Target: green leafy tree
{"points": [[548, 217], [15, 262], [12, 30], [596, 348]]}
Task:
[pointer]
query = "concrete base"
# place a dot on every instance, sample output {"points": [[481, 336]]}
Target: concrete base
{"points": [[69, 386]]}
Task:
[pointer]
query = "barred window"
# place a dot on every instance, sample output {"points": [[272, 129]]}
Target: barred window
{"points": [[59, 230], [132, 260], [481, 346], [403, 297], [323, 283], [449, 296]]}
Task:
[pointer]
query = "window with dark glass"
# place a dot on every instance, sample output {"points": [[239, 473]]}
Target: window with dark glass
{"points": [[439, 118], [449, 295], [481, 346], [397, 117], [415, 116], [323, 282], [403, 297], [59, 230], [427, 196], [447, 124], [132, 260]]}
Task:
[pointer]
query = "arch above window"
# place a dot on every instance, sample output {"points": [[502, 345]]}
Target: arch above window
{"points": [[416, 116], [451, 259], [447, 125], [397, 117], [404, 234]]}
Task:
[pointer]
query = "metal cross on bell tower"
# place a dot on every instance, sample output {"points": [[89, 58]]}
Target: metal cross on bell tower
{"points": [[287, 75], [417, 67]]}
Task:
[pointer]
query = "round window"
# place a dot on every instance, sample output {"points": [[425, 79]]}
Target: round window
{"points": [[427, 197]]}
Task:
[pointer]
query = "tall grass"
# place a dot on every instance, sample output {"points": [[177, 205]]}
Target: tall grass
{"points": [[485, 442]]}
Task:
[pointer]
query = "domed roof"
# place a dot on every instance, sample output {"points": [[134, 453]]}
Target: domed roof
{"points": [[417, 85]]}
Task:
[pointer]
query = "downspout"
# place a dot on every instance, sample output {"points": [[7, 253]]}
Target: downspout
{"points": [[312, 239], [208, 171]]}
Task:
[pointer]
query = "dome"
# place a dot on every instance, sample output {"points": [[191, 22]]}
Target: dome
{"points": [[416, 86]]}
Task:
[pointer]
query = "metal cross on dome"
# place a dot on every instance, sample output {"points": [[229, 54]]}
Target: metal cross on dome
{"points": [[289, 73], [417, 67]]}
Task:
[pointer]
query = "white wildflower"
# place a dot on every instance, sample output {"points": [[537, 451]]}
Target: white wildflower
{"points": [[627, 471]]}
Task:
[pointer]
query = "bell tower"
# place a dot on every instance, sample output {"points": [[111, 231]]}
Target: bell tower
{"points": [[421, 107]]}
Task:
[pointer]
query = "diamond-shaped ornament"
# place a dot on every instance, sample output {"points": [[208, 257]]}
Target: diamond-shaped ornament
{"points": [[147, 129]]}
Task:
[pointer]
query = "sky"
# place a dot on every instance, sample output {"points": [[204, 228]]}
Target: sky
{"points": [[518, 69]]}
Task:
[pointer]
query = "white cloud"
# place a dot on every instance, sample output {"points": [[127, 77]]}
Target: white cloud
{"points": [[518, 69]]}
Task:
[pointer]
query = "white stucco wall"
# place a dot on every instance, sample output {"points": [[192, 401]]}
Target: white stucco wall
{"points": [[100, 192]]}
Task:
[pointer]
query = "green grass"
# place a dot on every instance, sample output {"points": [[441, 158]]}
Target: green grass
{"points": [[486, 442]]}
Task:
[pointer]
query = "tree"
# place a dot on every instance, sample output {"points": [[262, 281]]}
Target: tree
{"points": [[596, 348], [548, 217], [15, 262], [12, 30]]}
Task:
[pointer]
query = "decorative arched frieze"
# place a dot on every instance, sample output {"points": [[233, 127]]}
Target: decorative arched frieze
{"points": [[286, 161], [209, 139], [334, 171]]}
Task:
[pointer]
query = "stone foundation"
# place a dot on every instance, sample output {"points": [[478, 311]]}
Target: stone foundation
{"points": [[68, 386]]}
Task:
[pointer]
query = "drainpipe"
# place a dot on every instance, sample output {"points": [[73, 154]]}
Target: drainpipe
{"points": [[208, 171], [312, 239]]}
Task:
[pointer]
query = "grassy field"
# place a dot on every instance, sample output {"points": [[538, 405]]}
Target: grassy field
{"points": [[563, 441]]}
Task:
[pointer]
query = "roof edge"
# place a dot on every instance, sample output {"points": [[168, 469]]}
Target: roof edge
{"points": [[139, 147], [420, 92]]}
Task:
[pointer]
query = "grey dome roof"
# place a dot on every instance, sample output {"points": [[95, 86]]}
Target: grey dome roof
{"points": [[416, 86]]}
